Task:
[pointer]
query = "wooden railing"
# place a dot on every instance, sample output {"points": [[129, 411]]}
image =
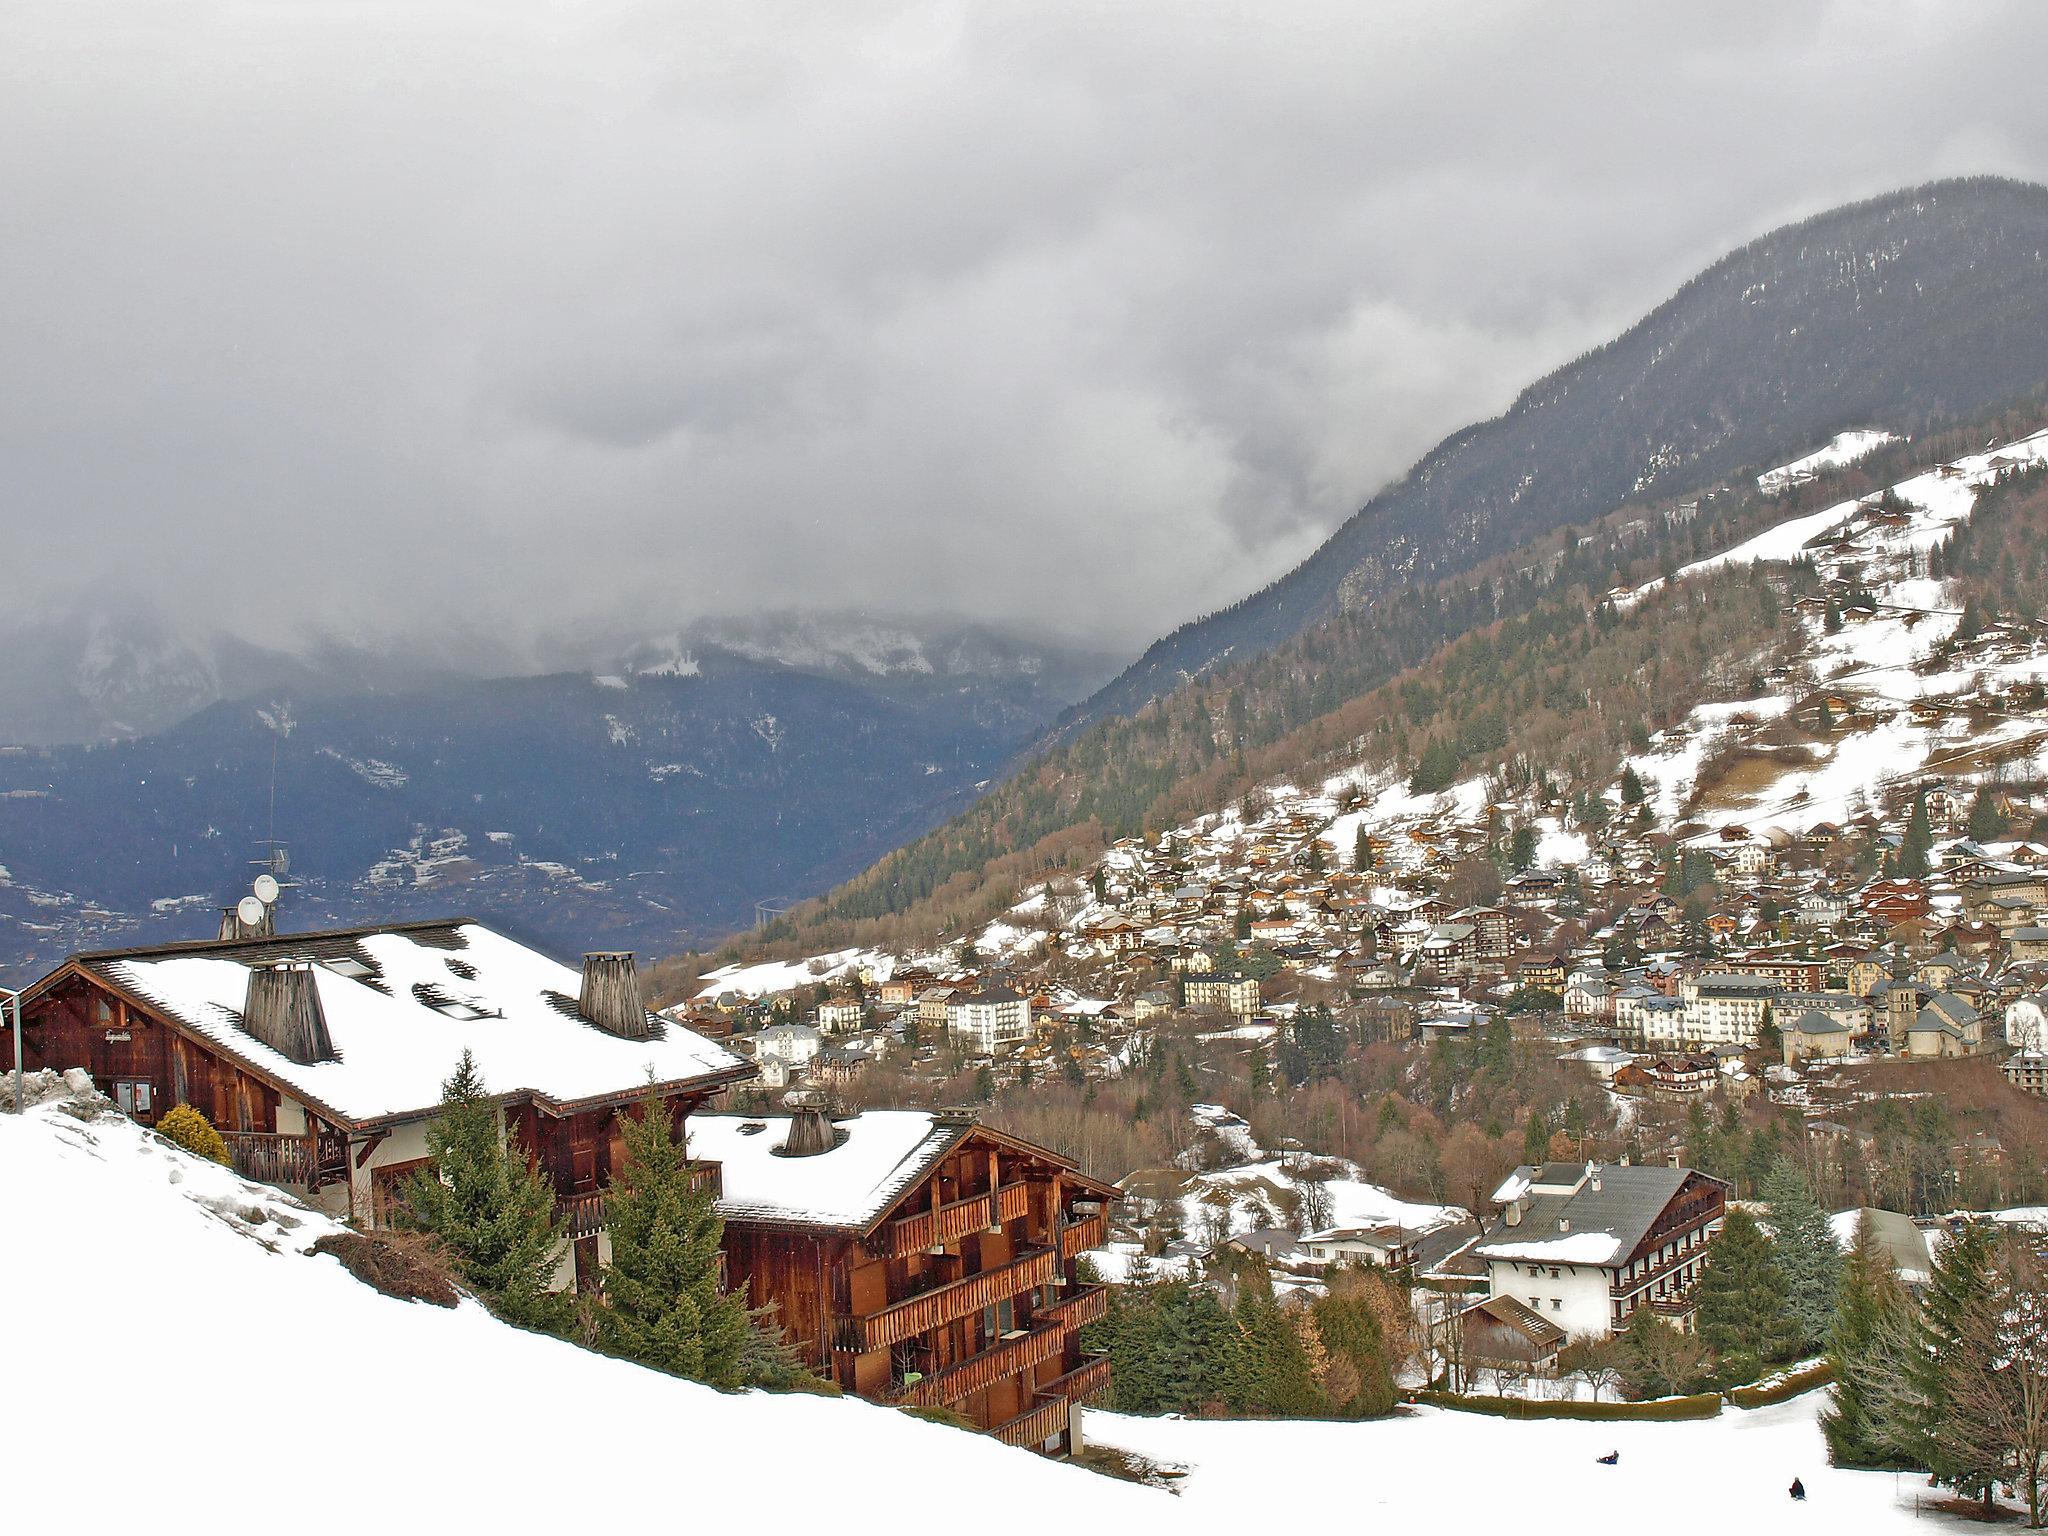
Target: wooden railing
{"points": [[1005, 1359], [943, 1304], [270, 1158], [583, 1214], [1085, 1306], [1037, 1426], [956, 1219], [1079, 1237], [1086, 1380]]}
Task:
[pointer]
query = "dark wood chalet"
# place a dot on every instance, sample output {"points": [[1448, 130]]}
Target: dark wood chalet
{"points": [[320, 1056], [920, 1259]]}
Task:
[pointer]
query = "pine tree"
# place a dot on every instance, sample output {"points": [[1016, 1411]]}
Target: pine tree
{"points": [[1805, 1247], [1873, 1319], [1361, 852], [1269, 1370], [1942, 1413], [1919, 839], [1742, 1307], [1986, 824], [664, 1307], [493, 1213], [1633, 791]]}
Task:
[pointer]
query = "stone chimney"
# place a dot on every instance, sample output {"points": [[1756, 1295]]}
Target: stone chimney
{"points": [[810, 1130], [283, 1011], [611, 995]]}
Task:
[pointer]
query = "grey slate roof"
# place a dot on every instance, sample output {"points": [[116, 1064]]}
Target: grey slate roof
{"points": [[1623, 1208]]}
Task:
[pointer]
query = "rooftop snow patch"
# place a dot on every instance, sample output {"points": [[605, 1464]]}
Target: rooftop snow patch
{"points": [[487, 994], [880, 1154]]}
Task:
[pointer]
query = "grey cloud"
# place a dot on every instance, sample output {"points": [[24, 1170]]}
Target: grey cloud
{"points": [[396, 315]]}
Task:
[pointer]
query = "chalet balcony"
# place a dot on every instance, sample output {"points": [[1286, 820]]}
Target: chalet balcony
{"points": [[1088, 1305], [583, 1215], [1680, 1304], [1033, 1428], [946, 1303], [1078, 1237], [269, 1158], [1007, 1358], [1087, 1380], [1656, 1272], [957, 1219]]}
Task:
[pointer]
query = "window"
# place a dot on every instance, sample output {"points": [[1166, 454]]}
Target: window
{"points": [[1556, 1305], [133, 1095], [1553, 1271]]}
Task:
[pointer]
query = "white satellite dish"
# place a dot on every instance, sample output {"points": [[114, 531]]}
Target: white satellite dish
{"points": [[250, 911], [266, 889]]}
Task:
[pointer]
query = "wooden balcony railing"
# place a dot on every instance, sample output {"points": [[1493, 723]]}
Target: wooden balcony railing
{"points": [[969, 1376], [1035, 1427], [1080, 1236], [956, 1219], [1087, 1305], [269, 1158], [943, 1304], [583, 1214], [1086, 1380]]}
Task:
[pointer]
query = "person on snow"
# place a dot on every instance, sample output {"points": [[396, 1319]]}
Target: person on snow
{"points": [[1798, 1490], [1612, 1458]]}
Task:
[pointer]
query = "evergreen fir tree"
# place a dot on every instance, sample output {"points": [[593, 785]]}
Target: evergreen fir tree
{"points": [[1805, 1247], [664, 1307], [1361, 852], [1742, 1306], [1919, 839], [493, 1213], [1633, 791], [1269, 1368], [1873, 1317], [1986, 824], [1958, 1339]]}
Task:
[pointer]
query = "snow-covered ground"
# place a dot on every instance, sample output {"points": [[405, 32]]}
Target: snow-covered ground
{"points": [[770, 977], [134, 1246], [1417, 1471], [1843, 448]]}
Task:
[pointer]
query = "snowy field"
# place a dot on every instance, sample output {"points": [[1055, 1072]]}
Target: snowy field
{"points": [[1432, 1469], [131, 1241]]}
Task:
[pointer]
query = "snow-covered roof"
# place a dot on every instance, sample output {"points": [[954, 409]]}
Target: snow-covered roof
{"points": [[402, 1004], [1599, 1222], [881, 1153]]}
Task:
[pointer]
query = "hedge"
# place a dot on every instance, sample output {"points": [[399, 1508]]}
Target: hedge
{"points": [[1704, 1405], [1788, 1386]]}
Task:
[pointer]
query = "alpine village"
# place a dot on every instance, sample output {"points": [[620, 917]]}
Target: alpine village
{"points": [[1587, 990]]}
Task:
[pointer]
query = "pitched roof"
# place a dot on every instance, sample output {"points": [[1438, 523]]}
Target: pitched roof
{"points": [[402, 1003], [1589, 1226]]}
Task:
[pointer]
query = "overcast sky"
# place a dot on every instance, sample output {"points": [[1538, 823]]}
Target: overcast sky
{"points": [[1088, 318]]}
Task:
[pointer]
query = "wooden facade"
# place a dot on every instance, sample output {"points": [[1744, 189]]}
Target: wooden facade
{"points": [[961, 1294], [148, 1060]]}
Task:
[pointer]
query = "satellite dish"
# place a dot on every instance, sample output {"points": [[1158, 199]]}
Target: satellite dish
{"points": [[250, 911], [266, 889]]}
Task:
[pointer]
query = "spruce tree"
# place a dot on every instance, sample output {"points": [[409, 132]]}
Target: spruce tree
{"points": [[1942, 1412], [1986, 824], [1915, 845], [664, 1307], [1269, 1369], [1805, 1248], [493, 1213], [1742, 1307], [1866, 1349]]}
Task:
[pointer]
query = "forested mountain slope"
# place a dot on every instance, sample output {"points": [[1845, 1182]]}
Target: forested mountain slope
{"points": [[1926, 305]]}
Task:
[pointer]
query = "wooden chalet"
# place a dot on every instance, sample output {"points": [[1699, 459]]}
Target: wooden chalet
{"points": [[919, 1258], [320, 1056]]}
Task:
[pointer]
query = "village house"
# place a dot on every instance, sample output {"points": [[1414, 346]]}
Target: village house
{"points": [[989, 1022], [918, 1258], [1226, 991], [1815, 1036], [320, 1056], [839, 1016], [1384, 1247], [1585, 1246]]}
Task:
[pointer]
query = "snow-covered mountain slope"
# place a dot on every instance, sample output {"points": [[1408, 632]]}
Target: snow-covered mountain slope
{"points": [[175, 1342], [1905, 698], [1843, 448]]}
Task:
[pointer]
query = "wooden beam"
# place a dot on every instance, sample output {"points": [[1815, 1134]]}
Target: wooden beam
{"points": [[376, 1140]]}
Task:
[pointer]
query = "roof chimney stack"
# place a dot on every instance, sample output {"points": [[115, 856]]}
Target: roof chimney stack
{"points": [[611, 995], [810, 1130], [283, 1011]]}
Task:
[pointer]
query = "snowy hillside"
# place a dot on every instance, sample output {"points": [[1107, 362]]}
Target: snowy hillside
{"points": [[317, 1373]]}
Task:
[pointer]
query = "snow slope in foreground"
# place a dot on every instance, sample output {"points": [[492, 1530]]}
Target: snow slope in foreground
{"points": [[171, 1342], [1432, 1470]]}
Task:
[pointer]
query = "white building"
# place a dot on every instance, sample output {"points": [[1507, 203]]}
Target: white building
{"points": [[839, 1016], [1724, 1008], [1585, 1246], [990, 1021]]}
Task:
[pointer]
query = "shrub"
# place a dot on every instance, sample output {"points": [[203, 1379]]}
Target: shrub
{"points": [[194, 1132], [407, 1265], [1703, 1405], [1782, 1388]]}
